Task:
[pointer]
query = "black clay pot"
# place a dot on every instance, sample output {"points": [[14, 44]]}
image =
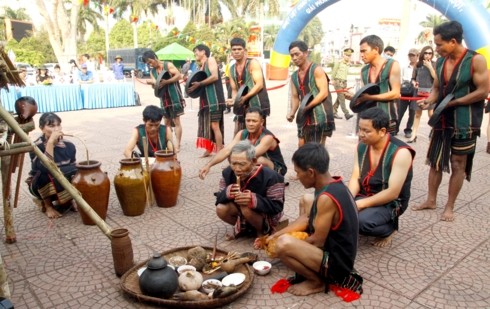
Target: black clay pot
{"points": [[159, 280]]}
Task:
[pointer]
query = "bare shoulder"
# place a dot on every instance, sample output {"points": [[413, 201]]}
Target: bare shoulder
{"points": [[479, 62]]}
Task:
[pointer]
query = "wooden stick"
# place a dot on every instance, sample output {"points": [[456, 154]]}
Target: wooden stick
{"points": [[84, 145], [17, 150], [54, 170], [8, 218], [149, 190], [17, 185]]}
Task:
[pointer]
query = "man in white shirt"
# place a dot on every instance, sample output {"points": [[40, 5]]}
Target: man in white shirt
{"points": [[407, 72]]}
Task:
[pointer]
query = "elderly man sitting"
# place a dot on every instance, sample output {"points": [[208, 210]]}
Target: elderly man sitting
{"points": [[251, 196]]}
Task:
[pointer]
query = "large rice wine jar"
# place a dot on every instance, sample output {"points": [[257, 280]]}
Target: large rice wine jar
{"points": [[95, 187], [165, 178], [131, 184]]}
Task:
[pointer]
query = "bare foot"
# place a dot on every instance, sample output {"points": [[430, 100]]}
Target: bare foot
{"points": [[39, 203], [383, 242], [205, 154], [447, 215], [306, 288], [425, 205], [51, 212]]}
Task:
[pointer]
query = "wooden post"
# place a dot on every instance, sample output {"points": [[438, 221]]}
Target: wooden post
{"points": [[10, 236], [4, 284], [54, 170]]}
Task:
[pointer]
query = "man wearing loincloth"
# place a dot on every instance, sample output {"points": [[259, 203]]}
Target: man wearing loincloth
{"points": [[464, 74], [211, 103]]}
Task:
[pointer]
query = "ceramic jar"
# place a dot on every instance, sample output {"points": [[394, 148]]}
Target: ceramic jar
{"points": [[158, 280], [95, 187], [166, 175], [122, 251], [131, 184]]}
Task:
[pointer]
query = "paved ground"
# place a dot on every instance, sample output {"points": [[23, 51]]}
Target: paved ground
{"points": [[65, 264]]}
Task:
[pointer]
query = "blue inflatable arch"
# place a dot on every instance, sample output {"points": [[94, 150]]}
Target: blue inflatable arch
{"points": [[471, 14]]}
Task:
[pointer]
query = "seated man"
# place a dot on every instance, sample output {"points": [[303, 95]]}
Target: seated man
{"points": [[157, 135], [251, 196], [85, 76], [327, 255], [266, 144], [55, 200], [381, 177]]}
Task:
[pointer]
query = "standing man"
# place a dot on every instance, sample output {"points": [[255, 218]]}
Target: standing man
{"points": [[229, 63], [382, 71], [118, 69], [211, 103], [339, 75], [407, 89], [381, 177], [310, 78], [172, 102], [90, 64], [247, 71], [464, 74], [389, 52], [186, 67]]}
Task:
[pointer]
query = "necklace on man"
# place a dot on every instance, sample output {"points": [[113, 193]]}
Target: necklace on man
{"points": [[153, 147]]}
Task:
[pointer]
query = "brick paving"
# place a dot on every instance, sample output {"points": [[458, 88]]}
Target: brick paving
{"points": [[65, 264]]}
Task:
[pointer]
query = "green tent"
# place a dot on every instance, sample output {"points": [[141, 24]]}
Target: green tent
{"points": [[175, 51]]}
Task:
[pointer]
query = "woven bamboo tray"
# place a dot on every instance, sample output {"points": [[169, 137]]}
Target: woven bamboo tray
{"points": [[130, 283]]}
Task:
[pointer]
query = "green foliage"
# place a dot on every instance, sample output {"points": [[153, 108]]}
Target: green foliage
{"points": [[95, 43], [121, 35], [148, 35], [312, 34], [316, 57], [35, 50], [270, 34]]}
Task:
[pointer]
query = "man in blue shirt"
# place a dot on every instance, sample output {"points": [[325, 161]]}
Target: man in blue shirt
{"points": [[118, 68], [85, 76]]}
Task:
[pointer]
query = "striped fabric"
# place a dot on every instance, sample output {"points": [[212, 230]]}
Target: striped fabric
{"points": [[383, 80]]}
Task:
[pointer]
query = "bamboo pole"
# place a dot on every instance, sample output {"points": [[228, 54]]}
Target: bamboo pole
{"points": [[4, 284], [10, 236], [53, 168], [150, 198], [16, 150]]}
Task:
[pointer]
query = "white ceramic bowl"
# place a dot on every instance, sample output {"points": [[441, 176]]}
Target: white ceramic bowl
{"points": [[208, 286], [262, 267], [177, 261], [184, 268]]}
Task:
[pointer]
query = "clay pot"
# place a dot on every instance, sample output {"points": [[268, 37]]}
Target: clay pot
{"points": [[157, 279], [25, 110], [166, 175], [131, 184], [122, 251], [95, 187]]}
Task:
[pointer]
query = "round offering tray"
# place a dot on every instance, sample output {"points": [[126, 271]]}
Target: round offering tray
{"points": [[130, 283]]}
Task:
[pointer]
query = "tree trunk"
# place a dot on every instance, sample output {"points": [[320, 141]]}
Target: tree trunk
{"points": [[135, 35], [62, 28]]}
